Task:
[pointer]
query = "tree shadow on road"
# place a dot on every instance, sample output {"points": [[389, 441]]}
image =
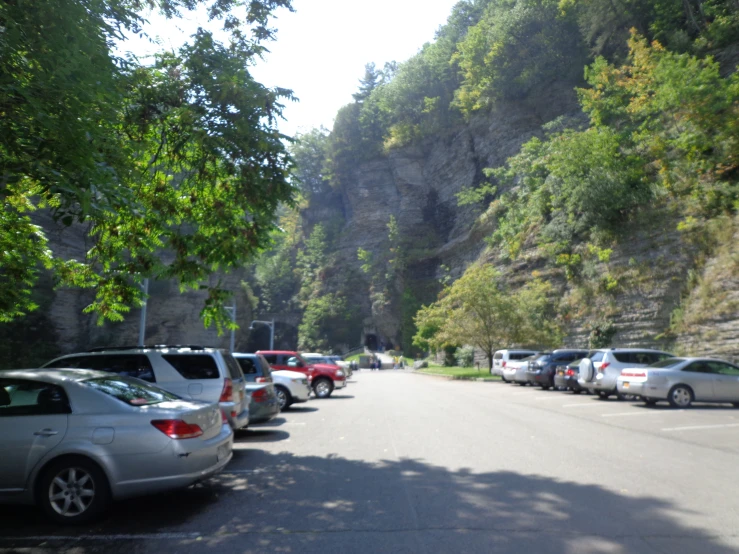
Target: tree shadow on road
{"points": [[284, 503]]}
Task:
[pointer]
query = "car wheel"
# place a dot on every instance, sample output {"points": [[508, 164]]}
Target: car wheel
{"points": [[323, 388], [649, 401], [283, 397], [522, 384], [545, 387], [73, 490], [576, 391], [680, 396], [621, 396], [602, 395], [735, 404]]}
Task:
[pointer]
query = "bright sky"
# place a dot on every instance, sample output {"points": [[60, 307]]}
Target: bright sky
{"points": [[323, 46]]}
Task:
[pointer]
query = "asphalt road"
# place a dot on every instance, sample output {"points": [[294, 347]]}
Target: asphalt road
{"points": [[405, 463]]}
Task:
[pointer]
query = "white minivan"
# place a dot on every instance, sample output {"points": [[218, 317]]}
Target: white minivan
{"points": [[502, 357]]}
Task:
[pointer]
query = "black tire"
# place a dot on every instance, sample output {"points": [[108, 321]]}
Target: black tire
{"points": [[83, 479], [602, 395], [284, 398], [649, 401], [576, 391], [621, 396], [545, 387], [680, 396], [735, 404], [522, 384], [323, 387]]}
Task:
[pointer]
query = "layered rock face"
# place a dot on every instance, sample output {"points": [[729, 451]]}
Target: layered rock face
{"points": [[652, 262]]}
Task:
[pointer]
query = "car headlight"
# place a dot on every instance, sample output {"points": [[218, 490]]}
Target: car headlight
{"points": [[304, 381], [339, 373]]}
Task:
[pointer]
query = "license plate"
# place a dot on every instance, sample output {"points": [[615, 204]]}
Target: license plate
{"points": [[560, 373], [223, 452], [626, 384]]}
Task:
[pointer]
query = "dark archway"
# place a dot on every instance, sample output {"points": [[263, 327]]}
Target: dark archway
{"points": [[370, 341]]}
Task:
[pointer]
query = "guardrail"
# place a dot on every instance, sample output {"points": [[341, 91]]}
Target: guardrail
{"points": [[357, 350]]}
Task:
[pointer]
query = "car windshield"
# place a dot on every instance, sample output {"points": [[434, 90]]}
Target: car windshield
{"points": [[530, 358], [669, 362], [131, 391], [543, 357]]}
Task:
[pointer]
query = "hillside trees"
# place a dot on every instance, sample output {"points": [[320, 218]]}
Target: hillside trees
{"points": [[480, 310], [181, 156]]}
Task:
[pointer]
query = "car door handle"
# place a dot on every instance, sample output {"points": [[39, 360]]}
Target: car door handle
{"points": [[46, 433]]}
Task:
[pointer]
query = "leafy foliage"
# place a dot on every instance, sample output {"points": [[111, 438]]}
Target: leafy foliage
{"points": [[175, 169], [479, 310]]}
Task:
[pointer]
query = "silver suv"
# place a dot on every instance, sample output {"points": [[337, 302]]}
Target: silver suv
{"points": [[601, 369], [191, 372]]}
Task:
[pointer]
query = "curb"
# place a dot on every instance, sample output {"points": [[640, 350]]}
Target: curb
{"points": [[458, 378]]}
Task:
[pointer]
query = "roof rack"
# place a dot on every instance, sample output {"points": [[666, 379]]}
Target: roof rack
{"points": [[149, 346]]}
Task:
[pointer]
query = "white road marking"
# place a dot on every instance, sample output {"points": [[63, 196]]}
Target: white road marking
{"points": [[581, 404], [117, 537], [638, 413], [552, 397], [695, 427]]}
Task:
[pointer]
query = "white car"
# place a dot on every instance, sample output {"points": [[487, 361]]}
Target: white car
{"points": [[501, 358], [516, 371], [296, 383], [601, 369]]}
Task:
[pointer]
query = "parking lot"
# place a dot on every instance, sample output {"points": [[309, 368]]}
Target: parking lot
{"points": [[399, 462]]}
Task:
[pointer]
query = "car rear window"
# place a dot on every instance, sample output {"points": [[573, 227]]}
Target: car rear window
{"points": [[130, 391], [266, 369], [669, 362], [498, 356], [638, 357], [519, 355], [248, 365], [127, 365], [234, 368], [193, 366], [597, 356]]}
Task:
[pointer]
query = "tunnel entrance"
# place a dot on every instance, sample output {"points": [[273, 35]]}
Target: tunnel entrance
{"points": [[370, 342]]}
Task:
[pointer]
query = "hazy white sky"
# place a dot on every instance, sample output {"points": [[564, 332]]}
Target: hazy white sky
{"points": [[322, 47]]}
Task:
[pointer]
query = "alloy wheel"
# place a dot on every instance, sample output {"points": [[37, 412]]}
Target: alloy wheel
{"points": [[71, 492]]}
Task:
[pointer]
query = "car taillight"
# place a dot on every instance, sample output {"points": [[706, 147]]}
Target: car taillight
{"points": [[177, 429], [227, 392], [224, 419], [570, 372], [264, 380], [603, 366], [259, 395], [504, 363]]}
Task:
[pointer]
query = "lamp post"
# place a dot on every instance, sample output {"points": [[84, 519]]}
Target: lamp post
{"points": [[232, 311], [271, 325], [142, 320]]}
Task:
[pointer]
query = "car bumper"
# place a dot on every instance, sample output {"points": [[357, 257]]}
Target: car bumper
{"points": [[340, 384], [239, 421], [521, 376], [567, 382], [181, 465], [643, 389], [300, 392], [262, 412], [508, 375]]}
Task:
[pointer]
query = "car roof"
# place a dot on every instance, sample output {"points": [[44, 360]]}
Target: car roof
{"points": [[291, 352], [53, 375], [244, 354]]}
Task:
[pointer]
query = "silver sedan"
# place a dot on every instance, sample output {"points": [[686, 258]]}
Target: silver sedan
{"points": [[75, 439], [682, 381]]}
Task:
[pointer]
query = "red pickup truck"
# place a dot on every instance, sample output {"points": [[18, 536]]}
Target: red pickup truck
{"points": [[324, 377]]}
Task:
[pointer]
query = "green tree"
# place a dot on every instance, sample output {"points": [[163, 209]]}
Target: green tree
{"points": [[371, 80], [175, 169], [479, 310], [310, 153]]}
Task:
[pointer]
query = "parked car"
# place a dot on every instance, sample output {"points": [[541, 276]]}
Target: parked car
{"points": [[75, 439], [264, 404], [541, 370], [191, 372], [600, 370], [315, 358], [290, 386], [566, 376], [515, 371], [682, 381], [324, 378], [502, 357]]}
